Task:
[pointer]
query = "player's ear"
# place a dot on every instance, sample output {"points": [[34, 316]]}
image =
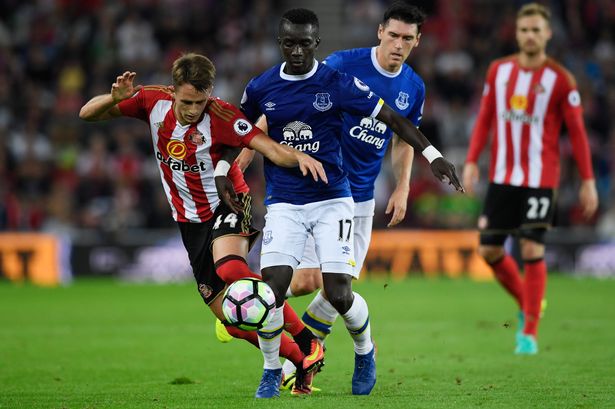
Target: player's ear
{"points": [[380, 31], [317, 42]]}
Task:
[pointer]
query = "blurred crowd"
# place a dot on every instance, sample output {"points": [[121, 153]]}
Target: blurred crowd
{"points": [[58, 173]]}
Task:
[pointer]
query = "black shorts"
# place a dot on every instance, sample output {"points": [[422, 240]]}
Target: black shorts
{"points": [[198, 239], [513, 210]]}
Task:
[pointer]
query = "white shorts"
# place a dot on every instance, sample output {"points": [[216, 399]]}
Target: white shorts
{"points": [[363, 221], [329, 222]]}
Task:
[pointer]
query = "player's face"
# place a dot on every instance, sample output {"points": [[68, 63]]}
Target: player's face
{"points": [[189, 103], [298, 43], [533, 33], [397, 39]]}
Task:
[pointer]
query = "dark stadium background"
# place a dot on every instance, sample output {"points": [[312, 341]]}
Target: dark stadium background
{"points": [[96, 185]]}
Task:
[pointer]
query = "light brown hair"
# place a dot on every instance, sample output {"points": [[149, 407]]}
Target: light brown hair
{"points": [[194, 69], [533, 9]]}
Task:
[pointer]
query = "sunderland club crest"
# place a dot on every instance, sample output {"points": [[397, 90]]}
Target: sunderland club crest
{"points": [[322, 101], [196, 137]]}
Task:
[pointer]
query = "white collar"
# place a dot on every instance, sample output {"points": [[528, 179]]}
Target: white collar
{"points": [[382, 70], [299, 77]]}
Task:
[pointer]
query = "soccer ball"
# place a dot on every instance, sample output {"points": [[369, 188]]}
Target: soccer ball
{"points": [[248, 304]]}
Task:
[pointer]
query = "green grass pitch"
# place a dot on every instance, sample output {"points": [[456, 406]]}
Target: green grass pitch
{"points": [[441, 344]]}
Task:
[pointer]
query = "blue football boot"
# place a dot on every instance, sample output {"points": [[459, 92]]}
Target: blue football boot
{"points": [[270, 384], [364, 376]]}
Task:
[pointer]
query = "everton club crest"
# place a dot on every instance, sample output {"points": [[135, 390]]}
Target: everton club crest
{"points": [[402, 101], [322, 102]]}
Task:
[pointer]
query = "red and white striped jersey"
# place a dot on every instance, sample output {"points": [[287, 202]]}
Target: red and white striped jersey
{"points": [[188, 154], [526, 109]]}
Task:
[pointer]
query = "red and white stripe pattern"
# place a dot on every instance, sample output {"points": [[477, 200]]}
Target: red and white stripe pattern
{"points": [[187, 154], [526, 109]]}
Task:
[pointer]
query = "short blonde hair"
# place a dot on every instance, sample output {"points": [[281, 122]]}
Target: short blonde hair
{"points": [[533, 9]]}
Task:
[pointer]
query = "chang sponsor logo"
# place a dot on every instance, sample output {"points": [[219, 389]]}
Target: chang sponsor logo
{"points": [[181, 165], [366, 129], [299, 135]]}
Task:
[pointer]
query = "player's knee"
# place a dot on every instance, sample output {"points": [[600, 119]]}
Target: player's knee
{"points": [[531, 250], [339, 291], [302, 287], [232, 268], [305, 281], [491, 254], [278, 278], [341, 299]]}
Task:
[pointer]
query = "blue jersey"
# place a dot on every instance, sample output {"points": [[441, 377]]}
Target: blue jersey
{"points": [[365, 140], [305, 112]]}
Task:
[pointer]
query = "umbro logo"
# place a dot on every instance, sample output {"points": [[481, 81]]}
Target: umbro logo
{"points": [[270, 106]]}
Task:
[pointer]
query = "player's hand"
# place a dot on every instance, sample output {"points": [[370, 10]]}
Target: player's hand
{"points": [[471, 175], [244, 158], [226, 192], [123, 87], [588, 196], [307, 164], [397, 204], [444, 170]]}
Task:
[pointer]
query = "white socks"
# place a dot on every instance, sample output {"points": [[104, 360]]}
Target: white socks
{"points": [[269, 339], [357, 323]]}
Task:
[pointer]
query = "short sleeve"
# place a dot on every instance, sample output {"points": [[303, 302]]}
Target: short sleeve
{"points": [[356, 98], [249, 103], [236, 129], [416, 113], [334, 61], [134, 106], [571, 99]]}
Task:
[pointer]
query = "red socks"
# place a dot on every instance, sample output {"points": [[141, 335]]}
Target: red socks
{"points": [[535, 281], [292, 323], [232, 268], [506, 272]]}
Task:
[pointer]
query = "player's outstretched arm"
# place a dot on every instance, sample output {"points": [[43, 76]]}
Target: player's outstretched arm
{"points": [[104, 106], [407, 131], [244, 158], [288, 157]]}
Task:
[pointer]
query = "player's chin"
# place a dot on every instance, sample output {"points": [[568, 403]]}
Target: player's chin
{"points": [[298, 65]]}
